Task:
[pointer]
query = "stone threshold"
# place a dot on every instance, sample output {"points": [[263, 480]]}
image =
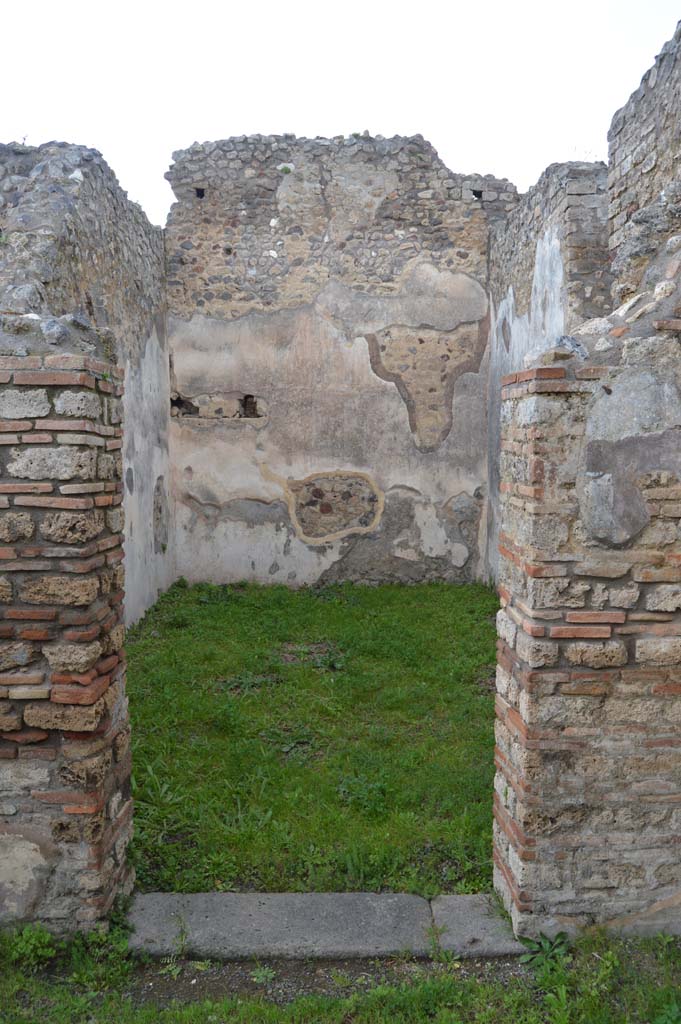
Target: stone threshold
{"points": [[236, 926]]}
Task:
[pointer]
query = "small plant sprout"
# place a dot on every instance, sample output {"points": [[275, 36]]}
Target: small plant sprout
{"points": [[263, 975], [171, 968]]}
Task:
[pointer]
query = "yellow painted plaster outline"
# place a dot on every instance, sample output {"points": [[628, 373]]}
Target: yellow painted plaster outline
{"points": [[289, 496]]}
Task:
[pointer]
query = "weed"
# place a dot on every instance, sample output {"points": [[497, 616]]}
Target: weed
{"points": [[201, 965], [100, 960], [171, 967], [434, 935], [32, 948], [558, 1004], [670, 1015], [369, 795], [182, 937], [340, 978], [263, 975], [544, 950]]}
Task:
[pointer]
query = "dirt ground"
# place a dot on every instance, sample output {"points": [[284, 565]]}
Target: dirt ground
{"points": [[282, 981]]}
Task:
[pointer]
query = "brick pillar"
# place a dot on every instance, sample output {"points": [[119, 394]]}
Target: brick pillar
{"points": [[65, 808], [588, 734]]}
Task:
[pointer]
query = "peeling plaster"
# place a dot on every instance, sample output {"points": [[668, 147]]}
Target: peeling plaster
{"points": [[292, 488], [150, 561], [513, 336]]}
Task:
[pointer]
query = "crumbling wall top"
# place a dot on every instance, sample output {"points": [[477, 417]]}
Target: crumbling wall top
{"points": [[75, 254], [645, 169], [264, 221]]}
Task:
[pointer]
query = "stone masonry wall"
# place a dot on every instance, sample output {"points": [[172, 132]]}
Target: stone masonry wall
{"points": [[65, 808], [74, 244], [588, 787], [645, 169], [329, 326], [569, 204], [319, 412], [548, 272], [75, 250]]}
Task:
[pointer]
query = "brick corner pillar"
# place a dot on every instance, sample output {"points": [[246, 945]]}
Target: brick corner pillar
{"points": [[588, 735], [65, 807]]}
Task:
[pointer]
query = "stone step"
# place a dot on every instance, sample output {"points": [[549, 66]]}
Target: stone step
{"points": [[231, 926]]}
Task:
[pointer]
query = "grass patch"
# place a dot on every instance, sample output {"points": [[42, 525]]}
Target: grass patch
{"points": [[94, 981], [325, 740]]}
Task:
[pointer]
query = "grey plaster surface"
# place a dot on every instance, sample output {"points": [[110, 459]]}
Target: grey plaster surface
{"points": [[473, 926], [325, 925]]}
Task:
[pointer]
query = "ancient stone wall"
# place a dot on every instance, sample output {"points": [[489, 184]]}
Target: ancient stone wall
{"points": [[588, 788], [329, 329], [65, 808], [76, 251], [339, 310], [548, 272], [645, 169]]}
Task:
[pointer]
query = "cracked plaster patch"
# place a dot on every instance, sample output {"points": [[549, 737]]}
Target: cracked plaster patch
{"points": [[422, 339], [326, 507]]}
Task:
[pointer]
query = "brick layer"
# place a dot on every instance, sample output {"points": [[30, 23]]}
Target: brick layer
{"points": [[63, 712], [588, 733]]}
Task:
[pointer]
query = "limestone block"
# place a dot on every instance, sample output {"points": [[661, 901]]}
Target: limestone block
{"points": [[5, 590], [52, 463], [71, 590], [114, 640], [536, 653], [664, 598], [548, 532], [10, 717], [17, 778], [115, 520], [106, 467], [624, 597], [114, 411], [506, 628], [557, 593], [72, 527], [29, 692], [608, 654], [16, 526], [74, 717], [24, 403], [88, 773], [65, 657], [78, 404], [659, 651], [14, 654]]}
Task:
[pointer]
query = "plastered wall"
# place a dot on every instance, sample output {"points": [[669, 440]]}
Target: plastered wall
{"points": [[549, 271], [329, 332]]}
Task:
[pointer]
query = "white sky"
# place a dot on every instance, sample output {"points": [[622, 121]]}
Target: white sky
{"points": [[503, 87]]}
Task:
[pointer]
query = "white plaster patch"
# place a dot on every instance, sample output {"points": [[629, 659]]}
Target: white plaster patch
{"points": [[145, 458]]}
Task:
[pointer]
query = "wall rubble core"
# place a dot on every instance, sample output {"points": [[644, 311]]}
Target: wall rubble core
{"points": [[343, 361]]}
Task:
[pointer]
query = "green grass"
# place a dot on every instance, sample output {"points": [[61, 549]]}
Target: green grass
{"points": [[93, 981], [336, 739]]}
